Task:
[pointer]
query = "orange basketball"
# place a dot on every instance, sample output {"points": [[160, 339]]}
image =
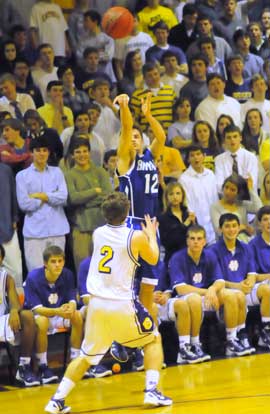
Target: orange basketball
{"points": [[117, 22]]}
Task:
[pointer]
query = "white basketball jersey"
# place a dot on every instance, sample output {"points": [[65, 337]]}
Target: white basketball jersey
{"points": [[112, 268]]}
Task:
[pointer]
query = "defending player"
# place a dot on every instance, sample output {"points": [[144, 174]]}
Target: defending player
{"points": [[113, 313]]}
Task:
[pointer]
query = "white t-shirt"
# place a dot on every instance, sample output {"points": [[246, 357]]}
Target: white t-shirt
{"points": [[141, 41]]}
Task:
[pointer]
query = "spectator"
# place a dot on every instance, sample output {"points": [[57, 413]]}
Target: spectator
{"points": [[237, 86], [16, 323], [265, 190], [76, 30], [15, 152], [207, 46], [253, 64], [24, 83], [265, 22], [110, 164], [228, 23], [184, 33], [171, 74], [164, 95], [8, 55], [48, 25], [222, 122], [258, 44], [19, 35], [45, 71], [216, 103], [41, 194], [132, 74], [73, 97], [55, 114], [200, 186], [260, 245], [204, 136], [15, 103], [50, 293], [208, 8], [87, 185]]}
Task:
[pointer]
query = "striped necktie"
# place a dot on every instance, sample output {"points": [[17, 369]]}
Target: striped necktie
{"points": [[235, 164], [18, 113]]}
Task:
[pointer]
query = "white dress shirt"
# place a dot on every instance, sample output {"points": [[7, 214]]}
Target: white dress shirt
{"points": [[201, 193], [24, 101]]}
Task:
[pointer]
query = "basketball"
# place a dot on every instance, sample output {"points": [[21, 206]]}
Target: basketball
{"points": [[117, 22], [116, 368]]}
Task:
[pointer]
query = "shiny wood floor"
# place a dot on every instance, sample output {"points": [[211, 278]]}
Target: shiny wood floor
{"points": [[232, 386]]}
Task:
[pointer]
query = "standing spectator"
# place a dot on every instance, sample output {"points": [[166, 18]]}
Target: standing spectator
{"points": [[23, 84], [73, 97], [41, 194], [228, 23], [45, 71], [207, 46], [55, 114], [152, 14], [208, 8], [216, 103], [19, 35], [200, 186], [12, 260], [15, 103], [184, 33], [48, 25], [87, 185], [162, 100], [237, 86], [253, 64], [76, 30], [171, 76], [265, 21]]}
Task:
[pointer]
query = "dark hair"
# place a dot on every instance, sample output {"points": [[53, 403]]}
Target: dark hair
{"points": [[115, 207], [94, 15], [241, 184], [194, 148], [231, 128], [53, 83], [255, 78], [178, 103], [212, 76], [108, 154], [233, 179], [228, 217], [16, 28], [52, 251], [128, 70], [148, 67], [212, 143], [33, 114], [88, 50], [248, 140], [196, 228], [39, 142], [21, 59], [204, 17], [169, 54], [198, 56], [2, 251], [160, 25], [231, 58], [15, 124], [100, 82], [238, 34], [220, 137], [189, 9], [205, 40], [62, 70], [92, 105], [44, 46], [258, 24], [76, 142], [262, 211]]}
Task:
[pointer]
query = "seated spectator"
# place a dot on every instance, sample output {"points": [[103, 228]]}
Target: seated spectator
{"points": [[55, 114], [136, 40], [16, 325], [258, 44], [15, 103], [196, 88], [258, 88], [222, 121], [42, 195], [226, 25], [204, 136], [205, 29], [237, 86], [253, 64], [195, 272], [232, 202], [207, 46], [110, 164], [50, 293], [154, 53], [180, 132], [73, 97], [15, 152], [45, 71], [162, 100], [200, 186], [132, 73], [183, 34], [216, 103], [171, 74], [36, 127], [238, 268], [87, 185], [235, 160], [23, 84], [100, 92], [174, 222], [89, 71], [8, 55], [265, 189], [260, 245]]}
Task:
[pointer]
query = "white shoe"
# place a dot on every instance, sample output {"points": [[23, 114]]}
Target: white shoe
{"points": [[154, 398], [57, 407]]}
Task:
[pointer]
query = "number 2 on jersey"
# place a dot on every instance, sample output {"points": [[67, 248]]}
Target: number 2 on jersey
{"points": [[107, 252]]}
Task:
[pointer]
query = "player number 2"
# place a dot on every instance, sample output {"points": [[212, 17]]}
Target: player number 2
{"points": [[151, 184], [107, 252]]}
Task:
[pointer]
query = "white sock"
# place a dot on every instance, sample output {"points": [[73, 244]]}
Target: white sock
{"points": [[42, 358], [265, 319], [240, 327], [24, 360], [152, 378], [64, 388], [195, 340], [74, 353], [231, 333], [184, 339]]}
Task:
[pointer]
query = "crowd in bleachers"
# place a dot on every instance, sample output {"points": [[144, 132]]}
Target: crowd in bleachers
{"points": [[207, 65]]}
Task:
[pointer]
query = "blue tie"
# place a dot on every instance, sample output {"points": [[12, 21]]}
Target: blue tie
{"points": [[17, 110]]}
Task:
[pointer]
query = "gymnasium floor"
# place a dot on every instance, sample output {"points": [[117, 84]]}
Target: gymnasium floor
{"points": [[231, 386]]}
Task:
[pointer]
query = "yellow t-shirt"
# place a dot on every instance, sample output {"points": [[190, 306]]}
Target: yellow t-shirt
{"points": [[148, 17], [47, 113]]}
